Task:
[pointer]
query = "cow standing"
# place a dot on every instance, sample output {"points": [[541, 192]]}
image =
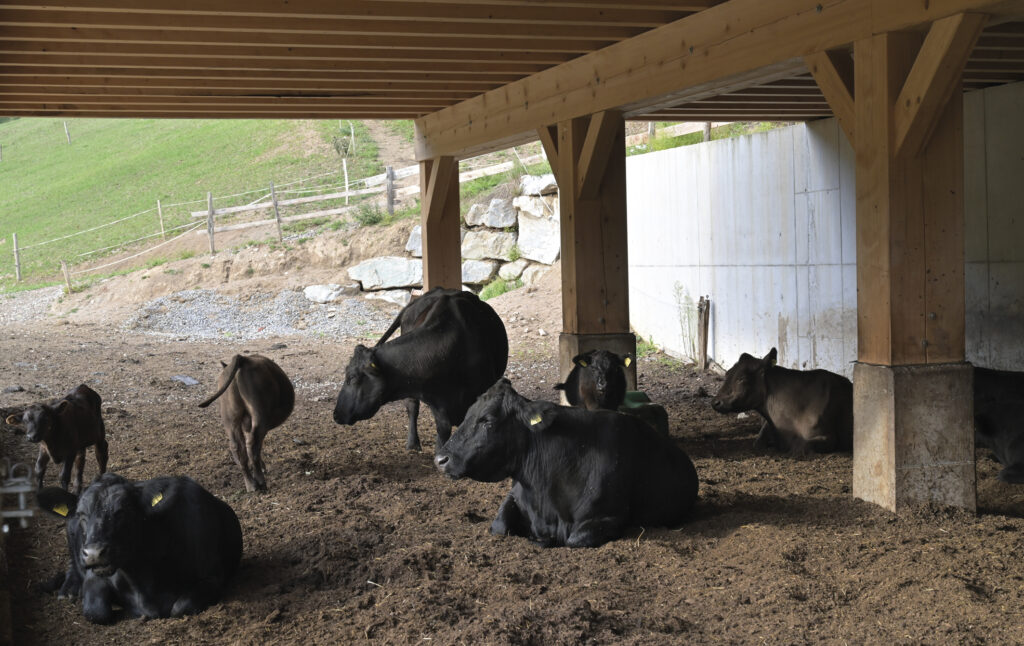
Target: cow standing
{"points": [[64, 430], [999, 419], [801, 408], [258, 396], [158, 548], [452, 346], [597, 380], [580, 477]]}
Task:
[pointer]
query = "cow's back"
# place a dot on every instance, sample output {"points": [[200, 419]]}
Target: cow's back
{"points": [[665, 480]]}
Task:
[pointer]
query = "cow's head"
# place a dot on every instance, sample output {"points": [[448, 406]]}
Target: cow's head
{"points": [[744, 387], [363, 393], [491, 441], [39, 420], [106, 524], [603, 371]]}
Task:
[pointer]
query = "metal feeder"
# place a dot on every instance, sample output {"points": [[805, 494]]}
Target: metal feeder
{"points": [[13, 482]]}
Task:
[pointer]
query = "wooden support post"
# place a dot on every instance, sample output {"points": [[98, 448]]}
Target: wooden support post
{"points": [[913, 428], [389, 175], [589, 158], [442, 244], [277, 213], [160, 215], [67, 275], [209, 220], [17, 259]]}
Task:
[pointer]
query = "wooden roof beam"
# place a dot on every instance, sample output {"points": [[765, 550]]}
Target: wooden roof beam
{"points": [[833, 71], [731, 39]]}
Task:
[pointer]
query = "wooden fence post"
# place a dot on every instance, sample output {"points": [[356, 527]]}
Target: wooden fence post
{"points": [[390, 175], [17, 258], [703, 310], [160, 214], [67, 275], [209, 220], [1, 152], [67, 133], [707, 131], [277, 214], [352, 137], [344, 165]]}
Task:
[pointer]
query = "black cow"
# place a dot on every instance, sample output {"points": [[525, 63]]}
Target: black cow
{"points": [[451, 347], [801, 408], [580, 477], [157, 548], [64, 430], [999, 419], [258, 397], [597, 380]]}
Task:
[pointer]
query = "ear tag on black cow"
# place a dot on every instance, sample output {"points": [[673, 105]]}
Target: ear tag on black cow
{"points": [[373, 365], [156, 500], [772, 362], [536, 419], [583, 363], [61, 509], [627, 361]]}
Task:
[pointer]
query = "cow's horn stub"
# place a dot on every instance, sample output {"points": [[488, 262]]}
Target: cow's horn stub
{"points": [[12, 420]]}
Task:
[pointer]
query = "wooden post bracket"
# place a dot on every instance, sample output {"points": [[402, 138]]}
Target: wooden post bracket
{"points": [[833, 72]]}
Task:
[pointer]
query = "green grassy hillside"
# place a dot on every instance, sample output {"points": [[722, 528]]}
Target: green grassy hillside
{"points": [[118, 167]]}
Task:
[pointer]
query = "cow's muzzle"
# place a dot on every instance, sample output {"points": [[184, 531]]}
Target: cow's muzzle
{"points": [[94, 557]]}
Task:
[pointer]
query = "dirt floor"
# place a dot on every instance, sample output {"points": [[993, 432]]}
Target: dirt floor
{"points": [[359, 540]]}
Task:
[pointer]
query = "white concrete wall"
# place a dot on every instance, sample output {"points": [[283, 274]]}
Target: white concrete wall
{"points": [[765, 225]]}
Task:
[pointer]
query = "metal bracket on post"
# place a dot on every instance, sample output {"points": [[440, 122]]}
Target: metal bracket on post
{"points": [[12, 483]]}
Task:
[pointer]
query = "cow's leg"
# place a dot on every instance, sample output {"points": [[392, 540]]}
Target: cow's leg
{"points": [[79, 468], [1013, 474], [241, 457], [253, 445], [510, 520], [65, 472], [198, 598], [41, 461], [97, 600], [444, 427], [595, 531], [102, 454], [767, 436], [412, 442]]}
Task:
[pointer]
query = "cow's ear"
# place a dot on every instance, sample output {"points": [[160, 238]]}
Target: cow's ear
{"points": [[61, 406], [771, 358], [223, 365], [538, 416], [155, 495], [580, 360], [13, 420], [57, 501]]}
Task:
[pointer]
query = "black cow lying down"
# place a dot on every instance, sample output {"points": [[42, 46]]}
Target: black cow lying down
{"points": [[999, 419], [580, 477], [802, 409], [451, 347], [158, 548]]}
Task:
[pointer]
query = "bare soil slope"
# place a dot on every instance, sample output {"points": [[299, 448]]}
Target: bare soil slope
{"points": [[360, 541]]}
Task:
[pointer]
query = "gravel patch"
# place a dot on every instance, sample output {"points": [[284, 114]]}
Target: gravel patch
{"points": [[22, 307], [205, 314]]}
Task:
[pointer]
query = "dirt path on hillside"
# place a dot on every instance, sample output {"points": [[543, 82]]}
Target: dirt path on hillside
{"points": [[392, 149]]}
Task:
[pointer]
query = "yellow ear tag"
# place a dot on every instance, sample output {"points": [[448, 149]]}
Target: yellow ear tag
{"points": [[61, 509], [772, 363], [373, 365], [583, 363], [536, 419], [156, 499], [627, 361]]}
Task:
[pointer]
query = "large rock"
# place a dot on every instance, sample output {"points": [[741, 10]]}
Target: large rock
{"points": [[478, 272], [513, 270], [388, 272], [538, 207], [330, 292], [415, 243], [538, 185], [533, 274], [498, 215], [398, 296], [483, 243], [539, 238]]}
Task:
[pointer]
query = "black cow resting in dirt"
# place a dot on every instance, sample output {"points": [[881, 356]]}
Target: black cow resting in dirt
{"points": [[596, 380], [801, 408], [64, 430], [999, 419], [580, 477], [157, 548], [452, 346], [258, 396]]}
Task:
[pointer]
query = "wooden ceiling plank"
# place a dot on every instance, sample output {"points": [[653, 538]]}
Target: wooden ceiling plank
{"points": [[202, 114], [106, 90], [397, 79], [934, 76], [737, 37], [424, 105], [105, 85], [833, 71]]}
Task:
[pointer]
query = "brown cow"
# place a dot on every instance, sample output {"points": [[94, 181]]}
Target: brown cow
{"points": [[64, 430], [258, 396]]}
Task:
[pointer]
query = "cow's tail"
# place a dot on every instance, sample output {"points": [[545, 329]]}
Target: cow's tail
{"points": [[394, 326], [236, 363]]}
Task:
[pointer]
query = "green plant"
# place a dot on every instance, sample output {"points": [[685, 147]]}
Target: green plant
{"points": [[514, 253], [249, 271], [645, 348], [156, 262], [186, 254], [499, 286], [205, 265], [368, 214]]}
